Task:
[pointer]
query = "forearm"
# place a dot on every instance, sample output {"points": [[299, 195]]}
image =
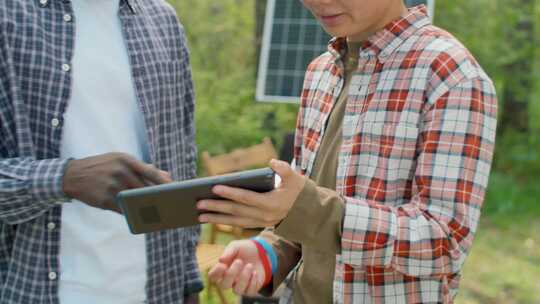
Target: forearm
{"points": [[315, 220]]}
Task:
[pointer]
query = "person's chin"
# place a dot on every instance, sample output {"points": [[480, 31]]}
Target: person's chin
{"points": [[335, 31], [341, 29]]}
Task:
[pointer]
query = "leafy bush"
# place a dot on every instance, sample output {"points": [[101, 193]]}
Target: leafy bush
{"points": [[493, 30], [221, 35]]}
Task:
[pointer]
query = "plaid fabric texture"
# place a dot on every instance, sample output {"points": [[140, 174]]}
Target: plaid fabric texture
{"points": [[36, 47], [418, 140]]}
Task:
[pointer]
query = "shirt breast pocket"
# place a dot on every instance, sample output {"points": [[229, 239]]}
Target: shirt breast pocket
{"points": [[384, 152]]}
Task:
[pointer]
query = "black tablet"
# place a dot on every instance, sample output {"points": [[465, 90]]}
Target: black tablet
{"points": [[173, 205]]}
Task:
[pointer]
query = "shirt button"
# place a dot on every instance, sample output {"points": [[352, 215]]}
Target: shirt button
{"points": [[66, 67], [51, 226], [43, 2], [67, 17], [52, 275], [55, 122]]}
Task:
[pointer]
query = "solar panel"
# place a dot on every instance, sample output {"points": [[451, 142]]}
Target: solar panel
{"points": [[292, 38]]}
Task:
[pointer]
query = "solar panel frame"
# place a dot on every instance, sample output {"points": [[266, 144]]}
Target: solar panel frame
{"points": [[300, 63]]}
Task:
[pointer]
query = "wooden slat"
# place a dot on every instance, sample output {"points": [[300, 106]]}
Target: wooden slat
{"points": [[240, 159], [208, 255]]}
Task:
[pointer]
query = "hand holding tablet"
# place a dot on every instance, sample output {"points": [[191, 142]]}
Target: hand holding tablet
{"points": [[173, 205]]}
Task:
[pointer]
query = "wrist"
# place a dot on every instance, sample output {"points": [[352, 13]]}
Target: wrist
{"points": [[269, 251], [265, 261], [67, 187]]}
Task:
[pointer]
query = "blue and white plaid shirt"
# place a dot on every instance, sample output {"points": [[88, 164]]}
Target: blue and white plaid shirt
{"points": [[36, 48]]}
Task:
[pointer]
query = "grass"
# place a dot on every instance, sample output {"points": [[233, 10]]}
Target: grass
{"points": [[504, 264]]}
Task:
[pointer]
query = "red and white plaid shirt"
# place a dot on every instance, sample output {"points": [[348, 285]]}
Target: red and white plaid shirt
{"points": [[418, 139]]}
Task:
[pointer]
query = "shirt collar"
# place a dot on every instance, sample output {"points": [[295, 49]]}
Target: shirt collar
{"points": [[384, 42], [132, 4]]}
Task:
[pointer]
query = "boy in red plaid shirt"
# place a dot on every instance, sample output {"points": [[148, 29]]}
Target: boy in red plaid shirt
{"points": [[393, 150]]}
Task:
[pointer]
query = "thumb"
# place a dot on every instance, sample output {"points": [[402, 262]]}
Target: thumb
{"points": [[229, 254], [282, 169]]}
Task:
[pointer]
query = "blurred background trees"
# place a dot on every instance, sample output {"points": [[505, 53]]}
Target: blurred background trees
{"points": [[223, 43], [504, 35]]}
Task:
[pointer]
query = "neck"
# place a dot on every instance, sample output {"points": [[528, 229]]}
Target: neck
{"points": [[394, 12]]}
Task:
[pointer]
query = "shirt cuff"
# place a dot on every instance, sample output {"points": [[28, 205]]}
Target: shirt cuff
{"points": [[47, 180], [193, 287]]}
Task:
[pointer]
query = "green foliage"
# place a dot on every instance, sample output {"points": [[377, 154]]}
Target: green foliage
{"points": [[490, 29], [221, 35], [518, 154], [493, 30], [511, 197]]}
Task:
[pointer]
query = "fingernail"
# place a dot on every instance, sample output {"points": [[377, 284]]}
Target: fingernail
{"points": [[217, 189], [201, 205], [203, 219]]}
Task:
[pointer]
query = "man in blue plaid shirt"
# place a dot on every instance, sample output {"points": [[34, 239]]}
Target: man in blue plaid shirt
{"points": [[96, 96]]}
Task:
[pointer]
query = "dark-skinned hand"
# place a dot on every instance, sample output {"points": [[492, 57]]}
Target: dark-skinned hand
{"points": [[96, 180]]}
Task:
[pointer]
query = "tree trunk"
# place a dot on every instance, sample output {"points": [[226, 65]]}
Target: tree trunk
{"points": [[534, 104], [517, 95]]}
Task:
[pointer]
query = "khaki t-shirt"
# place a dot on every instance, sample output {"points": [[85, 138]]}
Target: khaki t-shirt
{"points": [[313, 282]]}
